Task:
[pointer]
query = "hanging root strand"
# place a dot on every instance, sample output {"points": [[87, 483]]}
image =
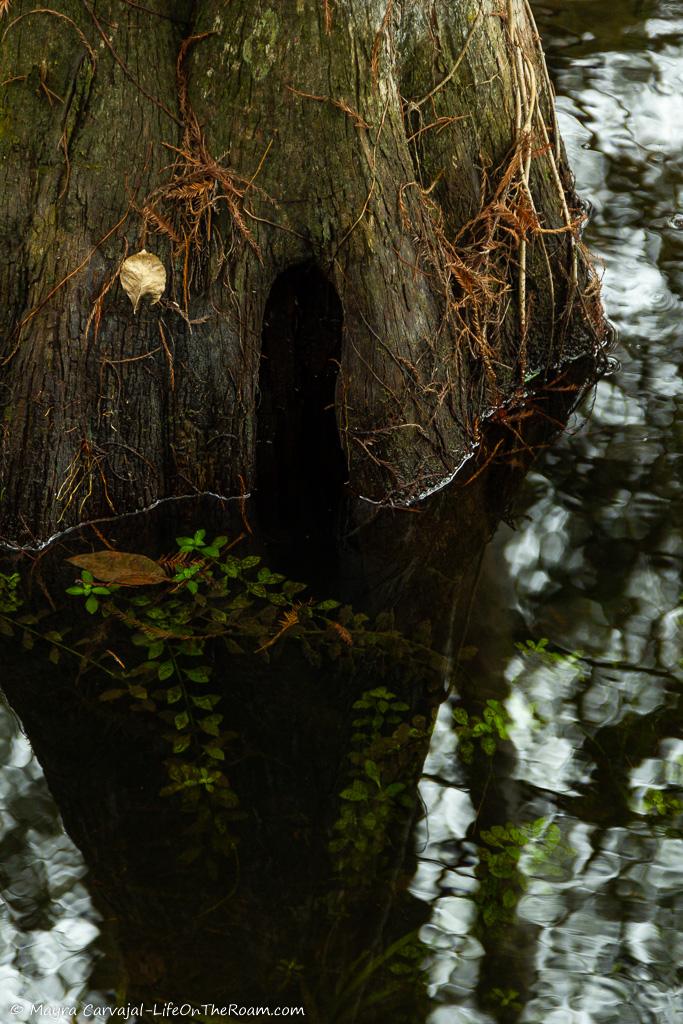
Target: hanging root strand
{"points": [[183, 210]]}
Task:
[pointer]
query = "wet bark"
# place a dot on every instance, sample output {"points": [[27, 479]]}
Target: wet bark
{"points": [[383, 143]]}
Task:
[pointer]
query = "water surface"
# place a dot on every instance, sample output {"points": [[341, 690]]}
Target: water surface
{"points": [[593, 564]]}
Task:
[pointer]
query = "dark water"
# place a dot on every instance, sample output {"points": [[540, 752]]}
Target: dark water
{"points": [[587, 926]]}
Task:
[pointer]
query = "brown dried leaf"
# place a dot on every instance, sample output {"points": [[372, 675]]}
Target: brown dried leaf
{"points": [[4, 7], [121, 567], [143, 275]]}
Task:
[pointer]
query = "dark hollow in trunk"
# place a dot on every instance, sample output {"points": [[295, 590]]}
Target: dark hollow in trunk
{"points": [[300, 465]]}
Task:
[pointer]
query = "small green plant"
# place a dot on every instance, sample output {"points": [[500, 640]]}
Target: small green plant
{"points": [[382, 756], [501, 882], [542, 650], [483, 730], [288, 972], [26, 624], [91, 591], [504, 997], [187, 545], [10, 594], [392, 980], [662, 803]]}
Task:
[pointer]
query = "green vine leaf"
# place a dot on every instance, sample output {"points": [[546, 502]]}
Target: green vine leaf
{"points": [[198, 675], [372, 772], [207, 702], [210, 724], [165, 671], [358, 792]]}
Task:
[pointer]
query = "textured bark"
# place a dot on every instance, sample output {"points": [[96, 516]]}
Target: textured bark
{"points": [[105, 411]]}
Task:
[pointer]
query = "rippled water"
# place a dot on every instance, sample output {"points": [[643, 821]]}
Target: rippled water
{"points": [[47, 922], [593, 565]]}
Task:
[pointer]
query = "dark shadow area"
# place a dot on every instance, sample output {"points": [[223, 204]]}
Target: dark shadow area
{"points": [[300, 465]]}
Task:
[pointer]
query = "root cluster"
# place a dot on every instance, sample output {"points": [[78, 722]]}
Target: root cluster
{"points": [[183, 209], [482, 271]]}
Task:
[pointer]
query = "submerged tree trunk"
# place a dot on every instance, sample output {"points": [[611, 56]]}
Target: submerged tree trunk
{"points": [[406, 153]]}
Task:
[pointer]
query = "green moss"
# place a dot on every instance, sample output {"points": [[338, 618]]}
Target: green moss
{"points": [[259, 48], [8, 136]]}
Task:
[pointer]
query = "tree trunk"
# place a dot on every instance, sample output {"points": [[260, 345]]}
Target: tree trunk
{"points": [[402, 156]]}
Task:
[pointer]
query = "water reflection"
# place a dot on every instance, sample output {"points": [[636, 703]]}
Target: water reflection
{"points": [[48, 926], [594, 565]]}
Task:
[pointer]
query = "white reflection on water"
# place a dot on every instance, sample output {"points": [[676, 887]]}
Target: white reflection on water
{"points": [[48, 926], [595, 564]]}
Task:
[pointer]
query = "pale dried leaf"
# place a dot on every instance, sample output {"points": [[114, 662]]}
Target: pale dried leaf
{"points": [[143, 275], [121, 567]]}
